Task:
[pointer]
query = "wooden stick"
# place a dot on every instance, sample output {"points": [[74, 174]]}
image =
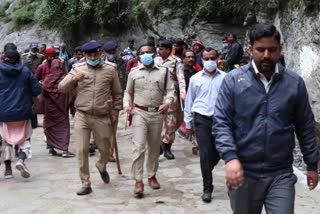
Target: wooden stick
{"points": [[115, 144]]}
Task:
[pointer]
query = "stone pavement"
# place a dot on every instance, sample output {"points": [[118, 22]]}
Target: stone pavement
{"points": [[54, 181]]}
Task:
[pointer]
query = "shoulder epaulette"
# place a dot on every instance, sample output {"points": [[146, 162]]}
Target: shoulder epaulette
{"points": [[111, 63]]}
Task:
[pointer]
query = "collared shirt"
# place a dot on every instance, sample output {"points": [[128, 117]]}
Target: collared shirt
{"points": [[263, 79], [175, 67], [147, 87], [202, 94]]}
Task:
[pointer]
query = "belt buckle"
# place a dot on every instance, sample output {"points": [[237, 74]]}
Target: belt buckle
{"points": [[152, 109]]}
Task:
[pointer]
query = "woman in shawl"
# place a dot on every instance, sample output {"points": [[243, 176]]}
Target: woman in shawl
{"points": [[56, 115]]}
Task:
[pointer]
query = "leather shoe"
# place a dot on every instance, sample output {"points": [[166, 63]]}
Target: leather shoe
{"points": [[138, 189], [167, 151], [84, 191], [105, 177], [206, 197], [153, 183]]}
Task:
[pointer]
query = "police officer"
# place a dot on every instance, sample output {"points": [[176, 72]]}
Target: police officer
{"points": [[98, 95], [151, 92], [33, 58], [110, 55], [174, 117]]}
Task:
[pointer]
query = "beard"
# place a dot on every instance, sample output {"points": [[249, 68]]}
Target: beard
{"points": [[266, 66]]}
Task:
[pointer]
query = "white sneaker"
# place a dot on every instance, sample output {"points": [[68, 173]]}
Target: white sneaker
{"points": [[20, 165]]}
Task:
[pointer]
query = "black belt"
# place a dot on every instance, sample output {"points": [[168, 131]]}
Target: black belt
{"points": [[204, 116]]}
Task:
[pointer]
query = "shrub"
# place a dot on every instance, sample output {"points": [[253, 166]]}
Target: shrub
{"points": [[3, 8], [24, 16]]}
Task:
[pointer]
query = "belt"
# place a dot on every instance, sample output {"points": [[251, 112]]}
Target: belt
{"points": [[148, 109], [204, 116]]}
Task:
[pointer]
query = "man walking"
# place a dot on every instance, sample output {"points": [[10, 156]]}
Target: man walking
{"points": [[174, 116], [259, 108], [150, 91], [201, 97], [98, 95]]}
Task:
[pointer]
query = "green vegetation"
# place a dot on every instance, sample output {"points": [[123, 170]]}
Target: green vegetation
{"points": [[24, 16], [3, 8], [296, 3]]}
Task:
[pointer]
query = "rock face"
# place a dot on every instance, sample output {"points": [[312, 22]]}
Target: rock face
{"points": [[28, 34]]}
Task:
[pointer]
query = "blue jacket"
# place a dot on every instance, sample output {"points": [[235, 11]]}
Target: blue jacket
{"points": [[258, 127], [17, 87]]}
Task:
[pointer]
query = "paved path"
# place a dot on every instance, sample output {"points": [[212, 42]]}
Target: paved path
{"points": [[54, 181]]}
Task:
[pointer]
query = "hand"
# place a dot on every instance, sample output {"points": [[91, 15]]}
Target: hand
{"points": [[163, 108], [234, 173], [183, 96], [312, 179], [125, 110], [189, 132], [114, 119], [78, 76]]}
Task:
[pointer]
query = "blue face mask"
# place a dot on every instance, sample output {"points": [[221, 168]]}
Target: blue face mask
{"points": [[225, 45], [93, 62], [146, 58], [110, 57], [210, 65]]}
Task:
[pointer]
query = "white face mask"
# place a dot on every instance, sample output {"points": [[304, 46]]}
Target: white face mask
{"points": [[210, 65]]}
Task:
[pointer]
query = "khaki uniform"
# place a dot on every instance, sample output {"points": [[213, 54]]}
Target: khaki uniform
{"points": [[33, 60], [147, 89], [174, 117], [98, 94]]}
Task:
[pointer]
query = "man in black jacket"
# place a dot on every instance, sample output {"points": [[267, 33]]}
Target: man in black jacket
{"points": [[259, 108]]}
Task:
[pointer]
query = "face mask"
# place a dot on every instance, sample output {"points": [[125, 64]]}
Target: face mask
{"points": [[225, 45], [33, 53], [110, 57], [210, 65], [146, 58], [93, 62]]}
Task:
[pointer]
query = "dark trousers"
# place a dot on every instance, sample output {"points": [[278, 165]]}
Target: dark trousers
{"points": [[275, 193], [209, 156]]}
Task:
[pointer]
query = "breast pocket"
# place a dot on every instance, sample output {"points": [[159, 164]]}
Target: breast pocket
{"points": [[140, 82]]}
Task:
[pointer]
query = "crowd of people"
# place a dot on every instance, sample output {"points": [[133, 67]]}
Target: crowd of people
{"points": [[246, 117]]}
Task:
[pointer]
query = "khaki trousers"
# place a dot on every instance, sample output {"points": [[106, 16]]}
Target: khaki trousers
{"points": [[147, 128], [100, 126]]}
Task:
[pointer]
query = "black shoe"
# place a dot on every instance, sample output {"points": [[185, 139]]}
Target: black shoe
{"points": [[206, 197], [161, 150], [92, 150], [84, 191], [104, 176], [52, 152], [167, 152]]}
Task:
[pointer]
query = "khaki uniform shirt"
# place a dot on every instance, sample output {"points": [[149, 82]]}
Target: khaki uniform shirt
{"points": [[175, 67], [33, 60], [147, 87], [99, 92]]}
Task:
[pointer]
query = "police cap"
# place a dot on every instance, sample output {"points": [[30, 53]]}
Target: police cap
{"points": [[165, 44], [91, 47], [34, 45], [110, 46]]}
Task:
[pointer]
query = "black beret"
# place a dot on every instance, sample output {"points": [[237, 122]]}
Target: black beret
{"points": [[165, 44], [91, 47], [110, 46]]}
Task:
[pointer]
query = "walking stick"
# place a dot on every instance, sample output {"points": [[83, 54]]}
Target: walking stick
{"points": [[115, 144]]}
